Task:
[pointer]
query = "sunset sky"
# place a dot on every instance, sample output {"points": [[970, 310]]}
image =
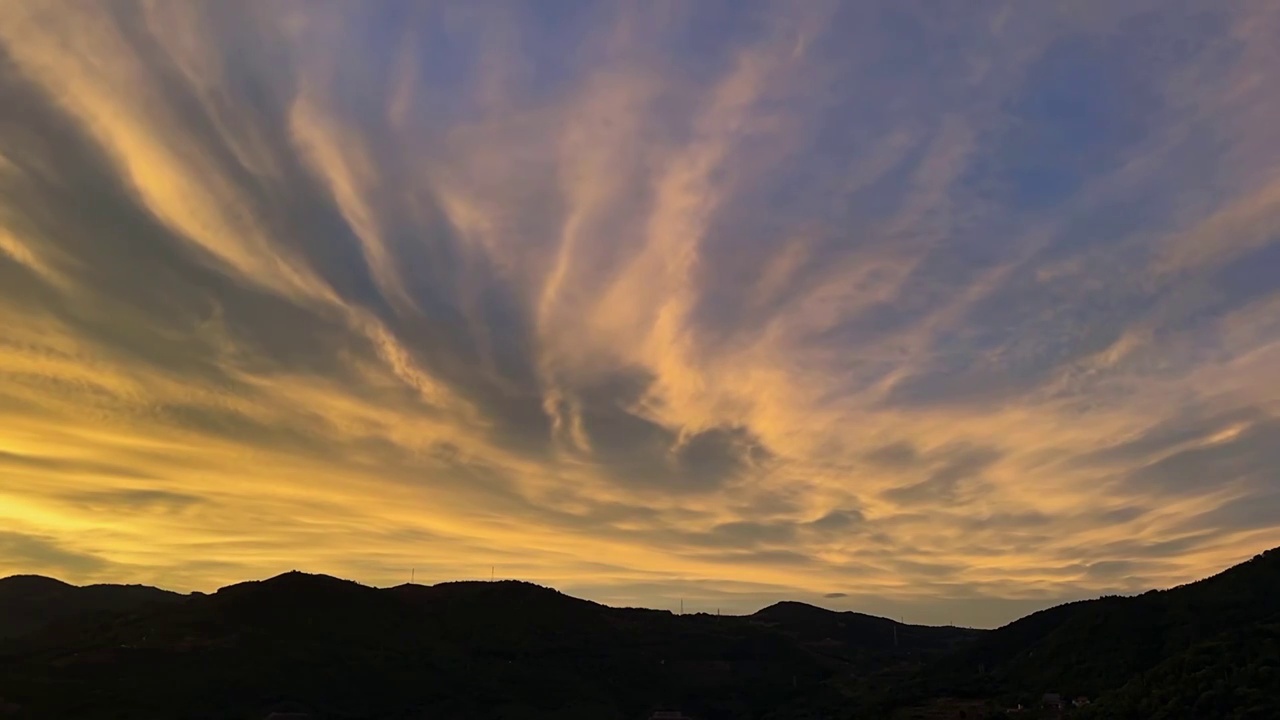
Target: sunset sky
{"points": [[947, 311]]}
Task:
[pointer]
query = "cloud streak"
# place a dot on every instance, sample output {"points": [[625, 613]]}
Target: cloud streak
{"points": [[724, 301]]}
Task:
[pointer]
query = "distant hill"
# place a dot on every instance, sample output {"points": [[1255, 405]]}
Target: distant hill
{"points": [[852, 635], [29, 603], [331, 648], [465, 650], [1148, 656]]}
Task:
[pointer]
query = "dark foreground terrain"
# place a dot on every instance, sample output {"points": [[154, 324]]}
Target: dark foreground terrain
{"points": [[327, 648]]}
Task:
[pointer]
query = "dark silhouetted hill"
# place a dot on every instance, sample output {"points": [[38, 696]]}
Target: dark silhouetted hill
{"points": [[1137, 657], [29, 602], [473, 650], [853, 635], [332, 648]]}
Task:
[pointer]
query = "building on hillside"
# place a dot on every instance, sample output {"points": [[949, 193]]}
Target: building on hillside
{"points": [[1052, 700]]}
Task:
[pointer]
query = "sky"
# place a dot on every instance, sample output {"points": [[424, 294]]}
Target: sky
{"points": [[943, 311]]}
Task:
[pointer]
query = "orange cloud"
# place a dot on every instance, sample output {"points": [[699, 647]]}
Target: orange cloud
{"points": [[643, 303]]}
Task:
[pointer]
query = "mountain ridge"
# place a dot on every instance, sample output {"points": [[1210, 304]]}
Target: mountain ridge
{"points": [[31, 602], [518, 650], [318, 580]]}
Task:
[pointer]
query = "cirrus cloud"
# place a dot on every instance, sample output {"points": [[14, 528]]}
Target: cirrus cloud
{"points": [[967, 309]]}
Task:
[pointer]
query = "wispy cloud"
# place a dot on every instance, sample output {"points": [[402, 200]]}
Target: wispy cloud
{"points": [[871, 303]]}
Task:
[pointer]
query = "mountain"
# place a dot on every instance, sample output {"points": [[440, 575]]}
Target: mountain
{"points": [[1147, 656], [344, 650], [851, 635], [29, 602], [1234, 675], [331, 648]]}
